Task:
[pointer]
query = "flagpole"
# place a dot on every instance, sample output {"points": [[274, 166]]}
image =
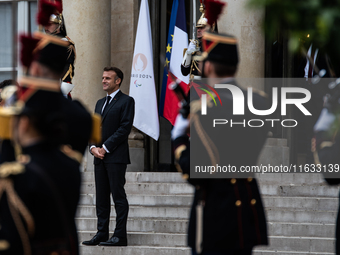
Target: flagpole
{"points": [[194, 19]]}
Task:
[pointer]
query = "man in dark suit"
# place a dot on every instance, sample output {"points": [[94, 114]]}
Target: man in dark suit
{"points": [[227, 215], [111, 159]]}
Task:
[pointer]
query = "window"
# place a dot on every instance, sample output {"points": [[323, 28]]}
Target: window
{"points": [[21, 15]]}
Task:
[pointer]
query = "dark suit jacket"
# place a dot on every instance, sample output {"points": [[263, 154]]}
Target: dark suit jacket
{"points": [[117, 122]]}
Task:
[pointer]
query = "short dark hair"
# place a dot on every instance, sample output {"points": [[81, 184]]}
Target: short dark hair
{"points": [[7, 82], [222, 70], [117, 71]]}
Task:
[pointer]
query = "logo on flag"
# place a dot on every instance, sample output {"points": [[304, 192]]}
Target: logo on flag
{"points": [[142, 83], [140, 62]]}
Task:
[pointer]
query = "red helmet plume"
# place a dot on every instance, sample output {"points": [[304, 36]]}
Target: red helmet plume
{"points": [[46, 9], [28, 45], [213, 9]]}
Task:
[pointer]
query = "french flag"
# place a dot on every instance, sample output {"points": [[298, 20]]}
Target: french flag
{"points": [[177, 42]]}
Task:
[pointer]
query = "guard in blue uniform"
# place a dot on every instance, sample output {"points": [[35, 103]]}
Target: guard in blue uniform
{"points": [[227, 215], [40, 189], [189, 64], [56, 26], [326, 147]]}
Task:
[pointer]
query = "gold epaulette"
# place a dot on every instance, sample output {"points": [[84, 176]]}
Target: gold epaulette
{"points": [[69, 39], [71, 48], [11, 168]]}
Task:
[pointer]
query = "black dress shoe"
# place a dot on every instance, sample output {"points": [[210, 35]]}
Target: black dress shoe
{"points": [[95, 240], [115, 241]]}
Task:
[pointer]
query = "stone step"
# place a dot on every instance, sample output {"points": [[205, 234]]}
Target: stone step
{"points": [[305, 245], [133, 250], [181, 226], [147, 200], [146, 188], [291, 178], [308, 203], [277, 252], [300, 216], [299, 190], [139, 225], [277, 243], [301, 229], [295, 215], [273, 178], [186, 189], [145, 238], [140, 212], [143, 177], [148, 250]]}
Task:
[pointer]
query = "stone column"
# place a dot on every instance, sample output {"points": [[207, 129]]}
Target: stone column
{"points": [[245, 24], [88, 24]]}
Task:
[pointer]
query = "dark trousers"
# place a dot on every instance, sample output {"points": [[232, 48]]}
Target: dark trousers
{"points": [[110, 178]]}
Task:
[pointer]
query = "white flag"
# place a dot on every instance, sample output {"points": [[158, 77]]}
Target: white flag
{"points": [[142, 83]]}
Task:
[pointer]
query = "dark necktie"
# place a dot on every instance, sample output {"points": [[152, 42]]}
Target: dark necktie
{"points": [[108, 98]]}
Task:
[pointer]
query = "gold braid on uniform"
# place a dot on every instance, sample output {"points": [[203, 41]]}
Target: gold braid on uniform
{"points": [[71, 49], [69, 72], [15, 204], [193, 64], [196, 66], [207, 142]]}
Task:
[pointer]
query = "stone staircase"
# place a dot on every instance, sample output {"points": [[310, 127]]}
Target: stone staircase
{"points": [[158, 215], [301, 213]]}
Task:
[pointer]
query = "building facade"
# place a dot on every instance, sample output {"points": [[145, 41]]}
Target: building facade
{"points": [[104, 34]]}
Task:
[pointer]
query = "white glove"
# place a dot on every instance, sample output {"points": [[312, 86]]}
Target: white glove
{"points": [[66, 88], [188, 54], [180, 127], [192, 48], [325, 121]]}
